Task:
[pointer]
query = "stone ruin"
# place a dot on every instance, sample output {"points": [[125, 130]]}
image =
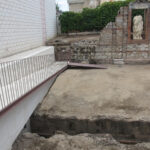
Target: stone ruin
{"points": [[127, 40]]}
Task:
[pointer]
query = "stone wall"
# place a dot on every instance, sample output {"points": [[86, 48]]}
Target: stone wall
{"points": [[84, 51], [76, 48], [113, 39], [113, 45]]}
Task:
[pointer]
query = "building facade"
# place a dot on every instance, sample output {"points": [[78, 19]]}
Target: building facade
{"points": [[25, 24], [78, 5]]}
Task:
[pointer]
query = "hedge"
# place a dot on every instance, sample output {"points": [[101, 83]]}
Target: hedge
{"points": [[91, 19]]}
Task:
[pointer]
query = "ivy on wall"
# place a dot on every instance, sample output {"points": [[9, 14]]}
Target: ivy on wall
{"points": [[91, 19]]}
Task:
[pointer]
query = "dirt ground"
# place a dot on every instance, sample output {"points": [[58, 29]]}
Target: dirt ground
{"points": [[79, 142], [70, 39], [119, 92]]}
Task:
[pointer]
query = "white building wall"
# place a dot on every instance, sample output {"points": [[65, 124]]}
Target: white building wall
{"points": [[13, 121], [50, 9], [22, 26]]}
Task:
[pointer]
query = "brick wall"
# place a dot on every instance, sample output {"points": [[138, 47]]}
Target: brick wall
{"points": [[25, 24]]}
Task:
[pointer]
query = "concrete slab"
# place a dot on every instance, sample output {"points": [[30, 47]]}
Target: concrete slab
{"points": [[30, 80]]}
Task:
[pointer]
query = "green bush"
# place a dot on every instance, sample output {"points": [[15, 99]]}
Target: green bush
{"points": [[91, 19], [136, 12]]}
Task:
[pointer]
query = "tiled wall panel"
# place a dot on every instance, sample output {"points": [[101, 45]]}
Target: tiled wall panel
{"points": [[50, 10], [21, 25]]}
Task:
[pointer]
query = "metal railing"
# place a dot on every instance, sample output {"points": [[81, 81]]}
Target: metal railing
{"points": [[20, 76]]}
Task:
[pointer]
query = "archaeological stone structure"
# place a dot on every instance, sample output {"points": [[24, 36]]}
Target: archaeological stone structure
{"points": [[126, 40], [128, 37]]}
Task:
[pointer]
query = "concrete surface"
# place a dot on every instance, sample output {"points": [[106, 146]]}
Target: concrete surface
{"points": [[73, 38], [118, 92], [13, 121], [29, 79], [32, 69], [42, 50]]}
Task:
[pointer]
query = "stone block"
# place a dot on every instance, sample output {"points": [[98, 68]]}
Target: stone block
{"points": [[126, 11], [121, 11], [100, 56], [108, 55], [119, 21], [104, 61], [143, 55], [137, 55], [131, 55], [148, 53], [119, 37], [119, 48], [138, 47], [104, 48], [116, 55], [106, 37], [118, 61], [109, 25], [124, 55]]}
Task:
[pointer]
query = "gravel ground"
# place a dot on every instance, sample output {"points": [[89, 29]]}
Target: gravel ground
{"points": [[30, 141]]}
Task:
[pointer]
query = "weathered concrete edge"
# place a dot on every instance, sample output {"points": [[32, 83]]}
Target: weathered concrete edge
{"points": [[14, 117]]}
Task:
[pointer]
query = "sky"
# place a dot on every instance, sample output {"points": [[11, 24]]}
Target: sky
{"points": [[63, 5]]}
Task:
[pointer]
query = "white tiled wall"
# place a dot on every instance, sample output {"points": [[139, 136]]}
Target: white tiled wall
{"points": [[22, 24], [50, 9]]}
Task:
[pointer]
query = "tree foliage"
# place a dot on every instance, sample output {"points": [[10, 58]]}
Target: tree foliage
{"points": [[91, 19]]}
